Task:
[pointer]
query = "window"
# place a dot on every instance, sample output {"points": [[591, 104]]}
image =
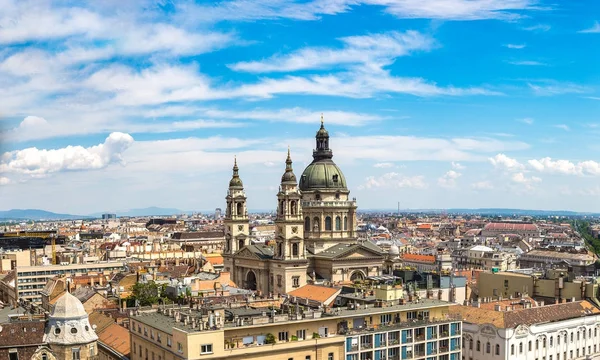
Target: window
{"points": [[56, 331], [345, 223], [158, 336], [411, 315], [307, 224], [512, 349], [307, 357], [520, 348], [338, 223], [75, 354], [140, 350], [92, 350], [386, 318], [134, 348], [283, 336], [488, 347], [497, 349], [145, 331], [328, 223], [537, 344], [571, 338], [44, 356], [151, 334], [139, 328], [551, 341], [206, 349], [470, 344], [296, 281], [330, 356], [301, 334], [279, 278], [295, 249], [179, 347], [169, 342], [13, 354], [529, 346], [478, 345]]}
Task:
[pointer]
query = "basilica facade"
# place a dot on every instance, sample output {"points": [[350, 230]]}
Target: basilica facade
{"points": [[315, 239]]}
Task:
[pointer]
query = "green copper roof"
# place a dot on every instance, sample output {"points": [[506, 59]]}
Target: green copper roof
{"points": [[322, 175]]}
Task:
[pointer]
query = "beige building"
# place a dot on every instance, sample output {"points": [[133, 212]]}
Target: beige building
{"points": [[555, 285], [409, 330], [315, 235], [483, 258]]}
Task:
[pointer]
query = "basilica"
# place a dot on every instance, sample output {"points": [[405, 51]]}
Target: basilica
{"points": [[315, 238]]}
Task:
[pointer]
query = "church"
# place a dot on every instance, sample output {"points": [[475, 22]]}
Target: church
{"points": [[315, 238]]}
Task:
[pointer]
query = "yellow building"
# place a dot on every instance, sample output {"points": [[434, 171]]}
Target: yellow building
{"points": [[421, 329]]}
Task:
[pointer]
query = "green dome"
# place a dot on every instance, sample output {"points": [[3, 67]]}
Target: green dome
{"points": [[322, 175], [235, 181]]}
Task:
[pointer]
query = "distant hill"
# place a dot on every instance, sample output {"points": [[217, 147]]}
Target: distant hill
{"points": [[492, 211], [36, 214], [149, 211]]}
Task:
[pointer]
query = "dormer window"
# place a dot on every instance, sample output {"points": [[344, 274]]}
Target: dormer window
{"points": [[317, 196], [335, 177]]}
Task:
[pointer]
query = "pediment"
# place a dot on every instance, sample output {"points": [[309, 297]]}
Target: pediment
{"points": [[358, 253], [245, 253]]}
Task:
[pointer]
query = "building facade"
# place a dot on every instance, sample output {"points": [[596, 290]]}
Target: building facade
{"points": [[423, 330], [315, 236]]}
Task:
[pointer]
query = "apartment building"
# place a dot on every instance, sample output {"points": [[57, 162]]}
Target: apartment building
{"points": [[580, 263], [422, 329], [29, 281], [483, 258], [553, 332]]}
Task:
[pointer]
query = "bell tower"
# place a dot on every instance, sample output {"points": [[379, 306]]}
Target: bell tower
{"points": [[236, 216], [289, 265], [289, 235]]}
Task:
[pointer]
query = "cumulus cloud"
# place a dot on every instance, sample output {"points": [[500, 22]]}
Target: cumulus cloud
{"points": [[448, 180], [458, 166], [394, 180], [41, 162], [522, 179], [547, 165], [503, 162], [482, 185]]}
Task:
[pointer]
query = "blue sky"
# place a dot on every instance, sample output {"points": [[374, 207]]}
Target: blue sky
{"points": [[106, 106]]}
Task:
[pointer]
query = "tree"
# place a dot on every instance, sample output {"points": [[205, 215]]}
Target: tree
{"points": [[146, 293]]}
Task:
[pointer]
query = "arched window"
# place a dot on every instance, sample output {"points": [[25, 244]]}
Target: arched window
{"points": [[497, 349], [512, 349], [45, 356], [293, 208], [280, 249], [345, 223], [328, 223], [537, 344], [488, 347], [295, 249], [520, 348], [307, 224], [529, 346], [240, 244], [544, 342], [316, 224], [478, 345], [338, 223], [470, 344], [282, 207], [551, 339], [240, 209]]}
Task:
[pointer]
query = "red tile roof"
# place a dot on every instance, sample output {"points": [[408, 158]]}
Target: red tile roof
{"points": [[419, 257]]}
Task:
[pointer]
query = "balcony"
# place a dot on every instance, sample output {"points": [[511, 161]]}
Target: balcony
{"points": [[420, 337], [366, 346], [419, 353], [443, 349], [335, 203], [353, 347]]}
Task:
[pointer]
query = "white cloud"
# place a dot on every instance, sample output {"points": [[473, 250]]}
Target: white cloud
{"points": [[503, 162], [384, 165], [547, 165], [297, 115], [394, 180], [41, 162], [5, 181], [527, 63], [515, 46], [592, 30], [458, 166], [482, 185], [377, 49], [550, 88], [528, 121], [448, 180], [521, 178], [538, 28], [562, 127]]}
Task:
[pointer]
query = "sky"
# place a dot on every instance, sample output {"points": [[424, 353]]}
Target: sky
{"points": [[113, 105]]}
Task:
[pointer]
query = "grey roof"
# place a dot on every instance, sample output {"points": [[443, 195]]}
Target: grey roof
{"points": [[339, 250], [262, 251], [8, 310], [84, 293]]}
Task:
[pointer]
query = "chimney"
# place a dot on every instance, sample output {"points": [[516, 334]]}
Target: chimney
{"points": [[573, 299], [508, 308], [497, 307], [542, 303]]}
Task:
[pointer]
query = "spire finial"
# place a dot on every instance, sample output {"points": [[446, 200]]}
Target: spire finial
{"points": [[235, 160], [288, 151], [321, 119]]}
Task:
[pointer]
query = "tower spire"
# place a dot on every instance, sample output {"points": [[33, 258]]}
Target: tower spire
{"points": [[235, 178], [288, 176], [322, 122]]}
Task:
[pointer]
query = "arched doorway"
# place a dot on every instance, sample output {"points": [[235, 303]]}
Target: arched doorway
{"points": [[251, 280], [357, 275]]}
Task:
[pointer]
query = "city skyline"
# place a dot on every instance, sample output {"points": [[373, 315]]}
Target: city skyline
{"points": [[444, 104]]}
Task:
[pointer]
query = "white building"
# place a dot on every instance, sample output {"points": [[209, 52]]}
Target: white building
{"points": [[554, 332]]}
